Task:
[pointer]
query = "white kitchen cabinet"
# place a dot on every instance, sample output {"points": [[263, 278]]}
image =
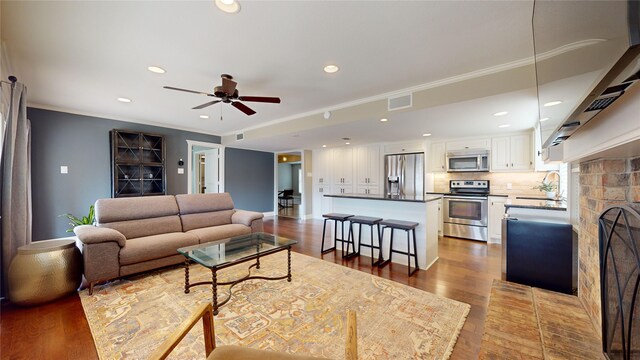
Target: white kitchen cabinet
{"points": [[321, 204], [484, 144], [322, 163], [368, 165], [437, 160], [342, 189], [343, 166], [368, 190], [512, 153], [496, 213], [539, 163], [440, 217], [401, 148]]}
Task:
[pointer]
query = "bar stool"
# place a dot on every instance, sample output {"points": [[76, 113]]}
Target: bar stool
{"points": [[341, 218], [407, 226], [365, 220]]}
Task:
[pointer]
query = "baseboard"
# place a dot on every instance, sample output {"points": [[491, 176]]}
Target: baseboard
{"points": [[269, 214]]}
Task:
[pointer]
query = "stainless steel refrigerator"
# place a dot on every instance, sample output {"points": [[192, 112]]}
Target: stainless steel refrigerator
{"points": [[404, 174]]}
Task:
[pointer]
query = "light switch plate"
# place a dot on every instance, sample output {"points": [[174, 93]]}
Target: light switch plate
{"points": [[509, 186], [180, 170], [64, 169]]}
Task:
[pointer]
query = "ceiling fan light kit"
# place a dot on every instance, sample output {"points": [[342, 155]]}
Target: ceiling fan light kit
{"points": [[228, 94]]}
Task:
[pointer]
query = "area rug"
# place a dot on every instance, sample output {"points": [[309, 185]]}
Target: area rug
{"points": [[130, 317]]}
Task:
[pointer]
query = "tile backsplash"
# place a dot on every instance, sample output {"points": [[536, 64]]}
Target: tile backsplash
{"points": [[521, 182]]}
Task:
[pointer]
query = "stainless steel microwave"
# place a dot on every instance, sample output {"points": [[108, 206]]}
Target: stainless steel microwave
{"points": [[468, 160]]}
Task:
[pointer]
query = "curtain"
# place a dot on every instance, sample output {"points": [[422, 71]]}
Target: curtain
{"points": [[15, 179]]}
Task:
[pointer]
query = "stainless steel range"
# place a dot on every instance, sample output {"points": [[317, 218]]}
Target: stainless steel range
{"points": [[466, 209]]}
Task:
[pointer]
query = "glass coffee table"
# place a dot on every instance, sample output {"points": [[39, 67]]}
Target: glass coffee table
{"points": [[221, 254]]}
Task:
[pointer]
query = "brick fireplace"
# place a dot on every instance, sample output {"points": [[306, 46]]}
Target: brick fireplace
{"points": [[603, 182]]}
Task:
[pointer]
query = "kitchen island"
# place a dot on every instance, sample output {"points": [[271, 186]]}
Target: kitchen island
{"points": [[537, 209], [421, 209]]}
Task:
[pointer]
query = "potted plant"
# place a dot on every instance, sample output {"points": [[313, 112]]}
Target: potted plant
{"points": [[85, 220], [549, 188]]}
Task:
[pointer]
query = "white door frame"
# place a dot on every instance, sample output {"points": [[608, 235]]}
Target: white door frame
{"points": [[190, 145], [303, 205]]}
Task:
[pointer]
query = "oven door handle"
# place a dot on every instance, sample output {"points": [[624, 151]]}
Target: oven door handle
{"points": [[467, 198]]}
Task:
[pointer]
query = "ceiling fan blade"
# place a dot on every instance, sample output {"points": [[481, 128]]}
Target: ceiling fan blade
{"points": [[228, 86], [206, 104], [265, 99], [242, 107], [189, 91]]}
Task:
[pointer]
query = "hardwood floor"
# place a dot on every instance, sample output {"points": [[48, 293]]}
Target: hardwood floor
{"points": [[464, 272]]}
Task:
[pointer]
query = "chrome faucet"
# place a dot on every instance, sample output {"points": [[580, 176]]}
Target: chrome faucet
{"points": [[544, 180]]}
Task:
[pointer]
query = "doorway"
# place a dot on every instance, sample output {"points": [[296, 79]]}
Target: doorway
{"points": [[205, 168], [290, 184]]}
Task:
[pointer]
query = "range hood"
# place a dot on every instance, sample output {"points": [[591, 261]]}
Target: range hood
{"points": [[587, 54]]}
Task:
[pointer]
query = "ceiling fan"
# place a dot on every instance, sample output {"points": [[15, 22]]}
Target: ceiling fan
{"points": [[227, 93]]}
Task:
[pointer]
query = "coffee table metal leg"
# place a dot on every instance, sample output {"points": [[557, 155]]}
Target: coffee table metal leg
{"points": [[214, 287], [289, 264], [186, 276]]}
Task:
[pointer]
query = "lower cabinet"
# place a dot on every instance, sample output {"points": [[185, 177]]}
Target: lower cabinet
{"points": [[440, 217], [368, 190], [321, 204], [496, 213]]}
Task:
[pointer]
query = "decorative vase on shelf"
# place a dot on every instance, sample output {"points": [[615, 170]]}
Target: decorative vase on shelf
{"points": [[551, 194]]}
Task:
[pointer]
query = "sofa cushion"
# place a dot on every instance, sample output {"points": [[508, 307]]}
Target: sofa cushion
{"points": [[146, 227], [206, 219], [200, 203], [134, 208], [155, 247], [219, 232]]}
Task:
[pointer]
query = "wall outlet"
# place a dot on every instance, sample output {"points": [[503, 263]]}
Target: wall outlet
{"points": [[64, 169], [180, 170], [509, 186]]}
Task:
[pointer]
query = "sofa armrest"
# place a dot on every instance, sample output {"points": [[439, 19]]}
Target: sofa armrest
{"points": [[245, 217], [90, 234]]}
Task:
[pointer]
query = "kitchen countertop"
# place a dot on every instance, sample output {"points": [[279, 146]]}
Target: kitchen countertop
{"points": [[532, 203], [417, 198]]}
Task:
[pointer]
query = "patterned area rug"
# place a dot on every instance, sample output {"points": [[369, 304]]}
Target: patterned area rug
{"points": [[129, 318]]}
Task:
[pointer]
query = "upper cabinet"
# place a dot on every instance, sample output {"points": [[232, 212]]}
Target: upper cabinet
{"points": [[343, 166], [322, 160], [436, 156], [401, 148], [368, 160], [484, 144], [512, 153]]}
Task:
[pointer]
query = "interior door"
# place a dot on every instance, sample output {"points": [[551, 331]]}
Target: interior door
{"points": [[211, 171]]}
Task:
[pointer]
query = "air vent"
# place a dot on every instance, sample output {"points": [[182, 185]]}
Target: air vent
{"points": [[239, 136], [400, 102], [602, 102]]}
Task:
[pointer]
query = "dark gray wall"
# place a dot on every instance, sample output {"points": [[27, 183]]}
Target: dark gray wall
{"points": [[249, 178], [82, 143]]}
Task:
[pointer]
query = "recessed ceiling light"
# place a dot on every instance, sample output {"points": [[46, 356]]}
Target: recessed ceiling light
{"points": [[500, 113], [157, 70], [228, 6], [504, 126], [347, 143], [553, 103], [324, 145], [284, 158], [384, 120], [204, 116], [426, 134], [331, 69], [124, 100], [544, 119]]}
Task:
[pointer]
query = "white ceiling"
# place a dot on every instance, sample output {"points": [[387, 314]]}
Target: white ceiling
{"points": [[81, 56]]}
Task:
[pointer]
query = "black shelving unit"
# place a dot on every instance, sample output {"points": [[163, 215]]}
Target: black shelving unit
{"points": [[137, 164]]}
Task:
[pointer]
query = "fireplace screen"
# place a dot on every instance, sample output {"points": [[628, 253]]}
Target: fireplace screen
{"points": [[619, 233]]}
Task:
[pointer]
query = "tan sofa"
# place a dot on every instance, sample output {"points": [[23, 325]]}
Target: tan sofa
{"points": [[137, 234]]}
